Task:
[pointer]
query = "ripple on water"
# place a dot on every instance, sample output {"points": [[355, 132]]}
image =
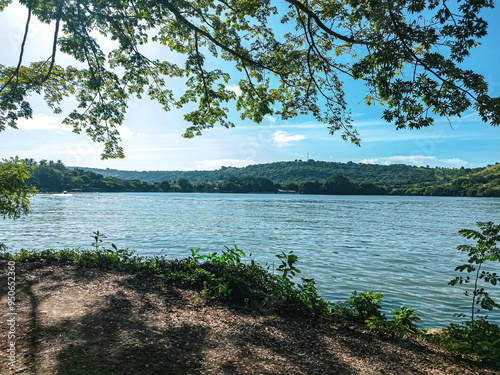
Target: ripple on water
{"points": [[404, 247]]}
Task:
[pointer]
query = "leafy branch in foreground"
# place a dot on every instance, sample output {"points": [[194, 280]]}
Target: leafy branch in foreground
{"points": [[407, 53]]}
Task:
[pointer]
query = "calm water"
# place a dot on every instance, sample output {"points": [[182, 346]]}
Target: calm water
{"points": [[404, 247]]}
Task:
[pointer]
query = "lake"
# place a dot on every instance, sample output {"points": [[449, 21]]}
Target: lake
{"points": [[403, 247]]}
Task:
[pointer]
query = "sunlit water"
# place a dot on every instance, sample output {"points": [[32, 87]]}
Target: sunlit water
{"points": [[404, 247]]}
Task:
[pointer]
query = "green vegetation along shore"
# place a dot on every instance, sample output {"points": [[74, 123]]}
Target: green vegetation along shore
{"points": [[305, 177], [231, 280]]}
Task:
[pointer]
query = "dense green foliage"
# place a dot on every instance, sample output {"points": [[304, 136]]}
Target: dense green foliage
{"points": [[311, 177], [55, 177], [223, 278], [407, 54], [227, 278], [475, 338], [14, 192], [485, 183], [389, 176]]}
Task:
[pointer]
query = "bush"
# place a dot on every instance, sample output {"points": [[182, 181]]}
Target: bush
{"points": [[220, 278], [361, 306], [478, 339]]}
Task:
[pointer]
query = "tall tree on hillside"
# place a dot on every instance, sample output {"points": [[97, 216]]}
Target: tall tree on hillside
{"points": [[290, 58]]}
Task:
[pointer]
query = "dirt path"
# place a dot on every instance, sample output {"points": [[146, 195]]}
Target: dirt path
{"points": [[83, 322]]}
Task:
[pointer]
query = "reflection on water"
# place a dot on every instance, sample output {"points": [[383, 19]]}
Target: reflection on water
{"points": [[404, 247]]}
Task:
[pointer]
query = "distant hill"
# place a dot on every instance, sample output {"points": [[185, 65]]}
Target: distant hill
{"points": [[151, 176], [491, 172], [390, 176], [306, 177]]}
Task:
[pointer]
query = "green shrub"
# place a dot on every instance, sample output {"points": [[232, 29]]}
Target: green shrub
{"points": [[403, 323], [477, 338], [365, 304]]}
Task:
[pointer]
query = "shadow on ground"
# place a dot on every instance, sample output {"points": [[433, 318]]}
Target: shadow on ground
{"points": [[91, 322]]}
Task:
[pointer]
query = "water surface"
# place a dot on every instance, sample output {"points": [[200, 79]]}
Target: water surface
{"points": [[404, 247]]}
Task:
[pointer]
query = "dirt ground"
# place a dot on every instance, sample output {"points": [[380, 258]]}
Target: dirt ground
{"points": [[87, 321]]}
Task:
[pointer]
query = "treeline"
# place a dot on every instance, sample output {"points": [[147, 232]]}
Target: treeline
{"points": [[298, 171], [337, 185], [483, 184], [50, 176]]}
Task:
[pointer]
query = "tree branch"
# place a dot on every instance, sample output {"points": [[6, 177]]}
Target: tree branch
{"points": [[195, 28], [322, 26], [198, 61], [16, 72], [419, 60], [54, 49]]}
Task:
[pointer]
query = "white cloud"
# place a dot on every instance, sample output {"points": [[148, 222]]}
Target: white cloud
{"points": [[43, 122], [456, 162], [417, 160], [152, 149], [282, 138], [234, 88], [209, 165], [54, 123], [270, 118], [125, 133]]}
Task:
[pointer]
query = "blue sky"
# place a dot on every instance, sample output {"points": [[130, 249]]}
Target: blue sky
{"points": [[152, 138]]}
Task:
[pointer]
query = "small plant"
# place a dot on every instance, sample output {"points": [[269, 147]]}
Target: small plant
{"points": [[309, 296], [477, 337], [97, 239], [485, 250], [403, 323], [195, 257], [287, 267], [232, 256], [406, 317], [366, 304], [229, 257]]}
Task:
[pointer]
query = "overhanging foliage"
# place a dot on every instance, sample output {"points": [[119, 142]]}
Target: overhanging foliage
{"points": [[406, 52]]}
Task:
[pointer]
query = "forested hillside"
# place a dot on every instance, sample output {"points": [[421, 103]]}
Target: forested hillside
{"points": [[301, 177], [390, 176], [485, 183]]}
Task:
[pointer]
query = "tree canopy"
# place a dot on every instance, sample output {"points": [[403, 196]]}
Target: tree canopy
{"points": [[289, 59], [14, 192]]}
